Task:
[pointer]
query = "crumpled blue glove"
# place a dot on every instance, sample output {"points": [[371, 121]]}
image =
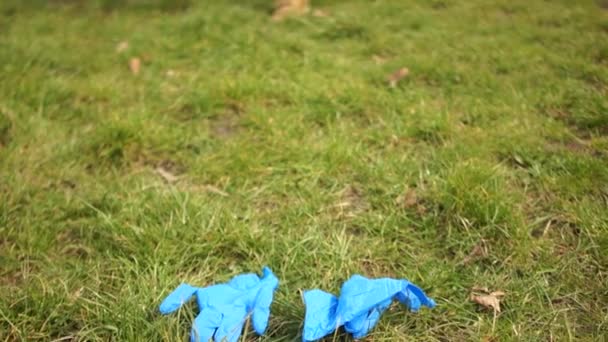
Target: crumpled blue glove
{"points": [[362, 301], [224, 308]]}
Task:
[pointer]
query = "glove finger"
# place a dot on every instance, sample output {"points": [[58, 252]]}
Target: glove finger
{"points": [[261, 310], [320, 318], [231, 327], [422, 297], [359, 295], [205, 325], [176, 298], [413, 297], [360, 326]]}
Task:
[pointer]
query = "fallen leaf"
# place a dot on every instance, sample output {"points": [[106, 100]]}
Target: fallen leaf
{"points": [[397, 76], [285, 8], [487, 301], [167, 176], [135, 65], [122, 47]]}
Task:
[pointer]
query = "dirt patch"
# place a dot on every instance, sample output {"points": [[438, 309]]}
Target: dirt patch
{"points": [[577, 146], [411, 199], [351, 202], [583, 128], [226, 124], [224, 127]]}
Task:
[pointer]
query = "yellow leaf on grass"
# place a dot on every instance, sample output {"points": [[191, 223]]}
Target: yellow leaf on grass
{"points": [[122, 47], [286, 8], [135, 65], [489, 301]]}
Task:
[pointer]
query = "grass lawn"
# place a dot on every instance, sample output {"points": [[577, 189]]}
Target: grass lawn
{"points": [[243, 142]]}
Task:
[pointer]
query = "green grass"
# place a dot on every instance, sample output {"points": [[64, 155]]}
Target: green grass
{"points": [[500, 131]]}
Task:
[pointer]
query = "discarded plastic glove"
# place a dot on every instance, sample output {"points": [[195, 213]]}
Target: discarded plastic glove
{"points": [[224, 308], [362, 301]]}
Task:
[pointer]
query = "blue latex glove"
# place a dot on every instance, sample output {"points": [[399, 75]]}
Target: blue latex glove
{"points": [[362, 301], [224, 308]]}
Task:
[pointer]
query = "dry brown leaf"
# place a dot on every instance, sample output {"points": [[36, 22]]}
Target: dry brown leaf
{"points": [[135, 65], [487, 301], [285, 8], [167, 176], [122, 47], [397, 76]]}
